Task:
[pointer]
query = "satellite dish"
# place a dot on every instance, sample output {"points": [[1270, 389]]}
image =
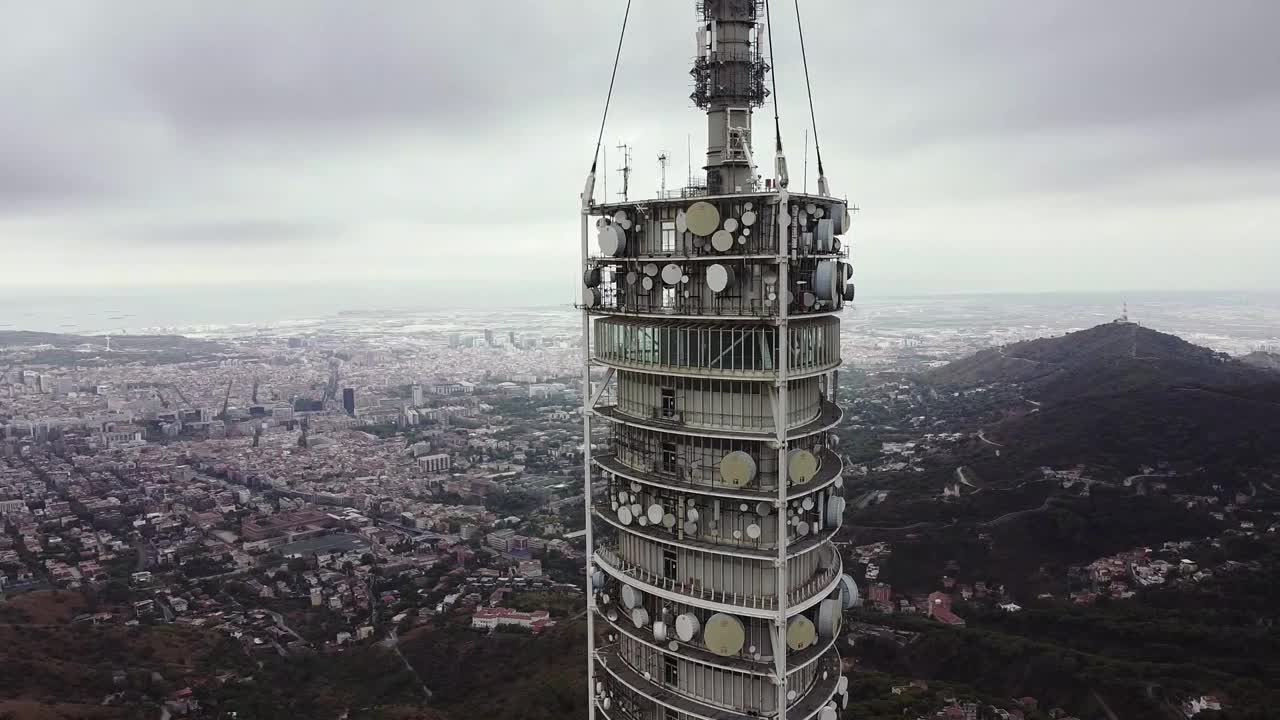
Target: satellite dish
{"points": [[819, 211], [823, 235], [591, 297], [730, 224], [690, 527], [635, 487], [681, 226], [842, 685], [656, 512], [668, 521], [753, 531], [671, 274], [828, 714], [620, 217], [809, 299], [642, 521], [724, 635], [737, 534], [807, 503], [604, 598], [748, 218], [800, 633], [826, 279], [612, 240], [737, 468], [829, 617], [631, 277], [835, 509], [646, 282], [802, 466], [849, 291], [802, 528], [639, 617], [659, 631], [687, 626], [744, 507], [722, 240], [702, 218], [691, 514], [651, 269], [763, 508], [673, 645], [606, 703], [719, 277], [631, 597], [849, 596], [624, 515], [612, 615], [636, 509], [591, 277], [809, 208], [792, 695]]}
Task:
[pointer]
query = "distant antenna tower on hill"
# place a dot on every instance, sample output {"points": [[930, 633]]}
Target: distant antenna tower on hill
{"points": [[1124, 316]]}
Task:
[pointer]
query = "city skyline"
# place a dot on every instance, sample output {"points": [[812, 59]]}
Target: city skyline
{"points": [[165, 149]]}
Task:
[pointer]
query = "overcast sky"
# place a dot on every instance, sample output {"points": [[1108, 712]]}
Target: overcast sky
{"points": [[440, 146]]}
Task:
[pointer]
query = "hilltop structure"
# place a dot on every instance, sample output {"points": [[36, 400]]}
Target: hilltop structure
{"points": [[712, 315]]}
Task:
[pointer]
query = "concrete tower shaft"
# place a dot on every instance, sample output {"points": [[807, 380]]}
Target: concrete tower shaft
{"points": [[729, 76]]}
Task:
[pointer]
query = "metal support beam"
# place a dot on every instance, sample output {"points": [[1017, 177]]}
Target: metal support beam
{"points": [[783, 247], [595, 399], [587, 403]]}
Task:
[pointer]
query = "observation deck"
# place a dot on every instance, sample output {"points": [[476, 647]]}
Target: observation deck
{"points": [[806, 706], [799, 599], [827, 418], [829, 470]]}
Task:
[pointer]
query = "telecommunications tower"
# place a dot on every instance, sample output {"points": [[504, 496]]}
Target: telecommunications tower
{"points": [[711, 343]]}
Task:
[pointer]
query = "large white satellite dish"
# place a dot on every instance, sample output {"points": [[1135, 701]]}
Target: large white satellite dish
{"points": [[719, 277], [722, 240], [800, 633], [687, 626], [835, 509], [612, 240], [823, 235], [849, 594], [826, 280], [737, 468], [724, 635], [802, 466], [655, 513], [702, 218], [829, 612]]}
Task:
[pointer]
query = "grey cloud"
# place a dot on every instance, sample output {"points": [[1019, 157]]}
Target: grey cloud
{"points": [[240, 233], [191, 126]]}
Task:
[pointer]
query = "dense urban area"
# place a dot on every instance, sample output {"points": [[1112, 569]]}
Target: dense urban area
{"points": [[381, 516]]}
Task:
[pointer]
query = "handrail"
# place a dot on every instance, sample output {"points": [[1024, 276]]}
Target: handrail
{"points": [[696, 590], [830, 466]]}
